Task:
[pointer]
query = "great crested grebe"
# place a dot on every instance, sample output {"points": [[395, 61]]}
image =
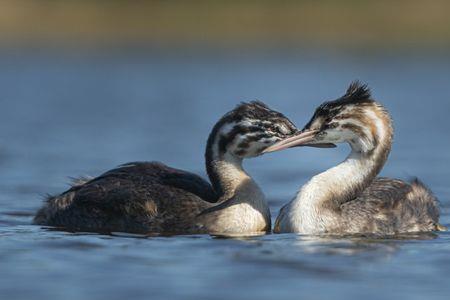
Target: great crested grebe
{"points": [[348, 198], [149, 197]]}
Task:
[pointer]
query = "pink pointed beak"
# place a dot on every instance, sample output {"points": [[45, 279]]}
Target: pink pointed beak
{"points": [[305, 138]]}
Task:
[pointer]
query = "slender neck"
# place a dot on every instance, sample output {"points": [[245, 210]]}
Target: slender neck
{"points": [[242, 208], [224, 169], [348, 179], [326, 191], [226, 174]]}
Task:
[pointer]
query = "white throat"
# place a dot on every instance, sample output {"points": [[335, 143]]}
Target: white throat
{"points": [[235, 183], [243, 205], [317, 204], [326, 190]]}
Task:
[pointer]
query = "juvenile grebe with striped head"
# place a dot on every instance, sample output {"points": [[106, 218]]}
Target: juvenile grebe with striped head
{"points": [[149, 197], [348, 198]]}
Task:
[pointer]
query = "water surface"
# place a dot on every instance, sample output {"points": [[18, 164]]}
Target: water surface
{"points": [[80, 114]]}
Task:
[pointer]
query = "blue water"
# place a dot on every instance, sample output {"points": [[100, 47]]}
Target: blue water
{"points": [[81, 113]]}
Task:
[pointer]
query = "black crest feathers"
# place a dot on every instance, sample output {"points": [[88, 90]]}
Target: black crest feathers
{"points": [[253, 110], [357, 92]]}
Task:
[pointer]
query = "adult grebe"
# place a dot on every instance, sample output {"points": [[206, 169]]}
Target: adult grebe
{"points": [[149, 197], [348, 199]]}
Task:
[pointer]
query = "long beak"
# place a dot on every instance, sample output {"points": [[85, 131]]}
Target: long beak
{"points": [[301, 139]]}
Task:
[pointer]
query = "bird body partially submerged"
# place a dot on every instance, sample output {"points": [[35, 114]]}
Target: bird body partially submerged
{"points": [[151, 198], [348, 198], [387, 207], [130, 198]]}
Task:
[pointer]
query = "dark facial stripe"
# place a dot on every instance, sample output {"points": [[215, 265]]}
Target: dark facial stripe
{"points": [[241, 152], [253, 111], [244, 145], [343, 117], [256, 137], [224, 140]]}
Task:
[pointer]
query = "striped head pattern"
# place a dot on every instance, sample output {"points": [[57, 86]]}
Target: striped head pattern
{"points": [[354, 118], [248, 129]]}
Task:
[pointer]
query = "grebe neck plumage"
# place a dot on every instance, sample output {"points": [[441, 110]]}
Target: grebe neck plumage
{"points": [[321, 197], [232, 139], [150, 197], [348, 198]]}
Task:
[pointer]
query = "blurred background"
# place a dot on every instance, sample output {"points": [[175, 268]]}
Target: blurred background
{"points": [[348, 24], [90, 84]]}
